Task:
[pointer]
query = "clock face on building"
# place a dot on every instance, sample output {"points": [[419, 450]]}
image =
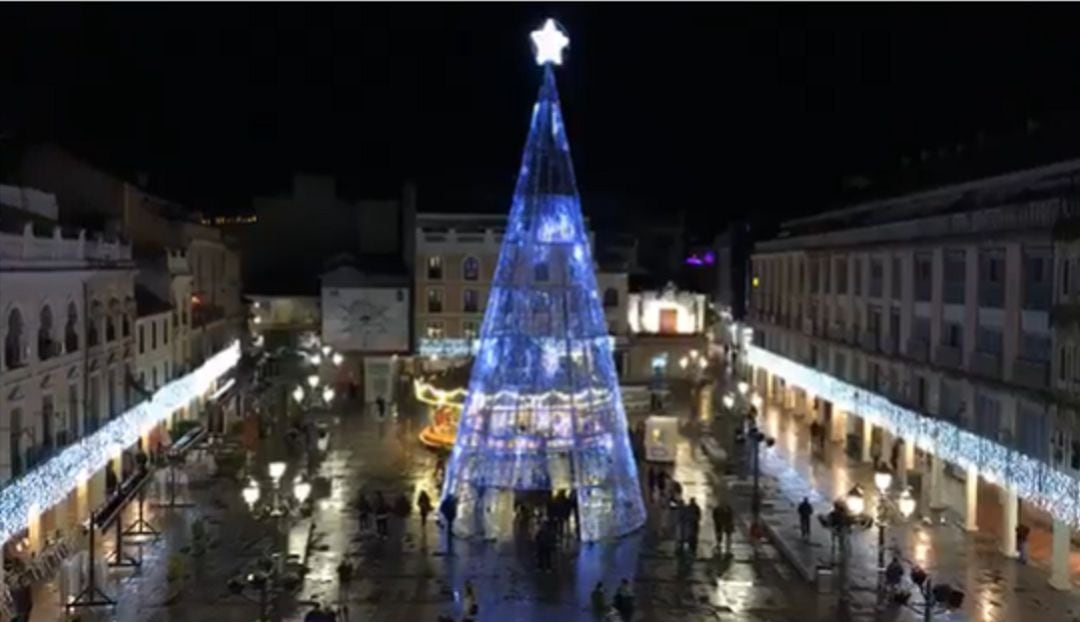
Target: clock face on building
{"points": [[366, 319], [362, 319]]}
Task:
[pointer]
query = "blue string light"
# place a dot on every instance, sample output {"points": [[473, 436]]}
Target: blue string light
{"points": [[52, 481], [543, 410], [1035, 481]]}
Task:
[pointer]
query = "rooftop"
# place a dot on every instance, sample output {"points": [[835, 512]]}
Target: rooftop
{"points": [[148, 303]]}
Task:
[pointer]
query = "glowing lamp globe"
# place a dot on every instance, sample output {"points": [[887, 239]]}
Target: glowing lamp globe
{"points": [[756, 400], [683, 362], [301, 490], [337, 358], [328, 395], [298, 394], [729, 401], [313, 381], [326, 350], [251, 493], [882, 480], [855, 502], [276, 470], [906, 503], [743, 387], [315, 359]]}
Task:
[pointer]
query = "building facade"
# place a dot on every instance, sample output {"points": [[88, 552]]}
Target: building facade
{"points": [[68, 313], [950, 311]]}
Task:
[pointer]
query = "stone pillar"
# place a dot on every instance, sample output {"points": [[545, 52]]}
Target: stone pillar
{"points": [[971, 496], [838, 429], [37, 540], [906, 463], [867, 440], [1059, 558], [937, 483], [1009, 511]]}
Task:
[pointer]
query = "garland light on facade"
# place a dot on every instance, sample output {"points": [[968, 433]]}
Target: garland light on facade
{"points": [[1035, 481], [50, 482]]}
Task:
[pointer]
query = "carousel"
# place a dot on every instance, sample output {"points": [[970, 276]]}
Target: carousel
{"points": [[445, 410]]}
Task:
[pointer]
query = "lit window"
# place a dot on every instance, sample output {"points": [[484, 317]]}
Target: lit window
{"points": [[471, 301], [469, 329], [434, 330], [434, 268]]}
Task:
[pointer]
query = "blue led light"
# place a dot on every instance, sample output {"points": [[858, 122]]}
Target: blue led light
{"points": [[543, 410], [1036, 482], [51, 482]]}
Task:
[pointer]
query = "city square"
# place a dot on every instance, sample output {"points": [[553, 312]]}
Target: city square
{"points": [[376, 358]]}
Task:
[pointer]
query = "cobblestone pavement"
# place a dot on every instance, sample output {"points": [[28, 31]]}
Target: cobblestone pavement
{"points": [[997, 589]]}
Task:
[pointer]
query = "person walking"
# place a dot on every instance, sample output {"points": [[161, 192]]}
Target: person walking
{"points": [[598, 600], [624, 600], [724, 525], [693, 525], [363, 510], [448, 509], [652, 483], [382, 516], [806, 512], [1022, 533], [423, 503], [470, 605]]}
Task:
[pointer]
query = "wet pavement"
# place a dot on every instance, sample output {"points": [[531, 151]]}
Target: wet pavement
{"points": [[997, 589]]}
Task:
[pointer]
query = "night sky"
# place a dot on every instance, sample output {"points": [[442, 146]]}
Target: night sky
{"points": [[721, 110]]}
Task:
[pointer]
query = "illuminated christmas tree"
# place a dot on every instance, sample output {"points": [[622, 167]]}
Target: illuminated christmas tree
{"points": [[543, 411]]}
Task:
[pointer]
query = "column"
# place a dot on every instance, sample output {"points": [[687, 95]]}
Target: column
{"points": [[971, 487], [1009, 511], [907, 461], [838, 431], [34, 528], [1059, 559], [937, 483], [867, 440]]}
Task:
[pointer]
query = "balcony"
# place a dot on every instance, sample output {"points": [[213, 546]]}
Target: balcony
{"points": [[948, 356], [986, 364], [918, 349], [1031, 374]]}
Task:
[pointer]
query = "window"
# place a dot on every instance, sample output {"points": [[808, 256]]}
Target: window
{"points": [[1063, 363], [1036, 282], [141, 336], [952, 335], [1035, 347], [73, 413], [153, 335], [1065, 277], [469, 329], [877, 278], [841, 275], [988, 340], [125, 325], [165, 372], [991, 276], [920, 330], [47, 419], [471, 301], [827, 287], [540, 272], [897, 278], [815, 282], [153, 379], [13, 341], [15, 442], [165, 331], [858, 276], [434, 300], [611, 298], [470, 269], [434, 330], [46, 343], [71, 329], [92, 336], [952, 287], [110, 393], [434, 268], [923, 277]]}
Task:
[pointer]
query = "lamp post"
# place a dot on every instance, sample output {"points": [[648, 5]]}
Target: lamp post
{"points": [[756, 438], [882, 481]]}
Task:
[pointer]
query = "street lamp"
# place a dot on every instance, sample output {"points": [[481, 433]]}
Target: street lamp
{"points": [[883, 480], [315, 359], [301, 490], [276, 470], [337, 359], [855, 502], [298, 394], [729, 401], [906, 504], [326, 350], [683, 362], [251, 494], [744, 387], [313, 381], [756, 438], [328, 395]]}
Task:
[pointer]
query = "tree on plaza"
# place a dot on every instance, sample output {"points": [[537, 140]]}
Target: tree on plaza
{"points": [[544, 411]]}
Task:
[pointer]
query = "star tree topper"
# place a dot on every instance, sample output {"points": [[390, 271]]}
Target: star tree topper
{"points": [[549, 41]]}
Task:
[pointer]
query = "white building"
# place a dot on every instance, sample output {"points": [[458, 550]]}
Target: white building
{"points": [[153, 347], [943, 318], [666, 326], [67, 303]]}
